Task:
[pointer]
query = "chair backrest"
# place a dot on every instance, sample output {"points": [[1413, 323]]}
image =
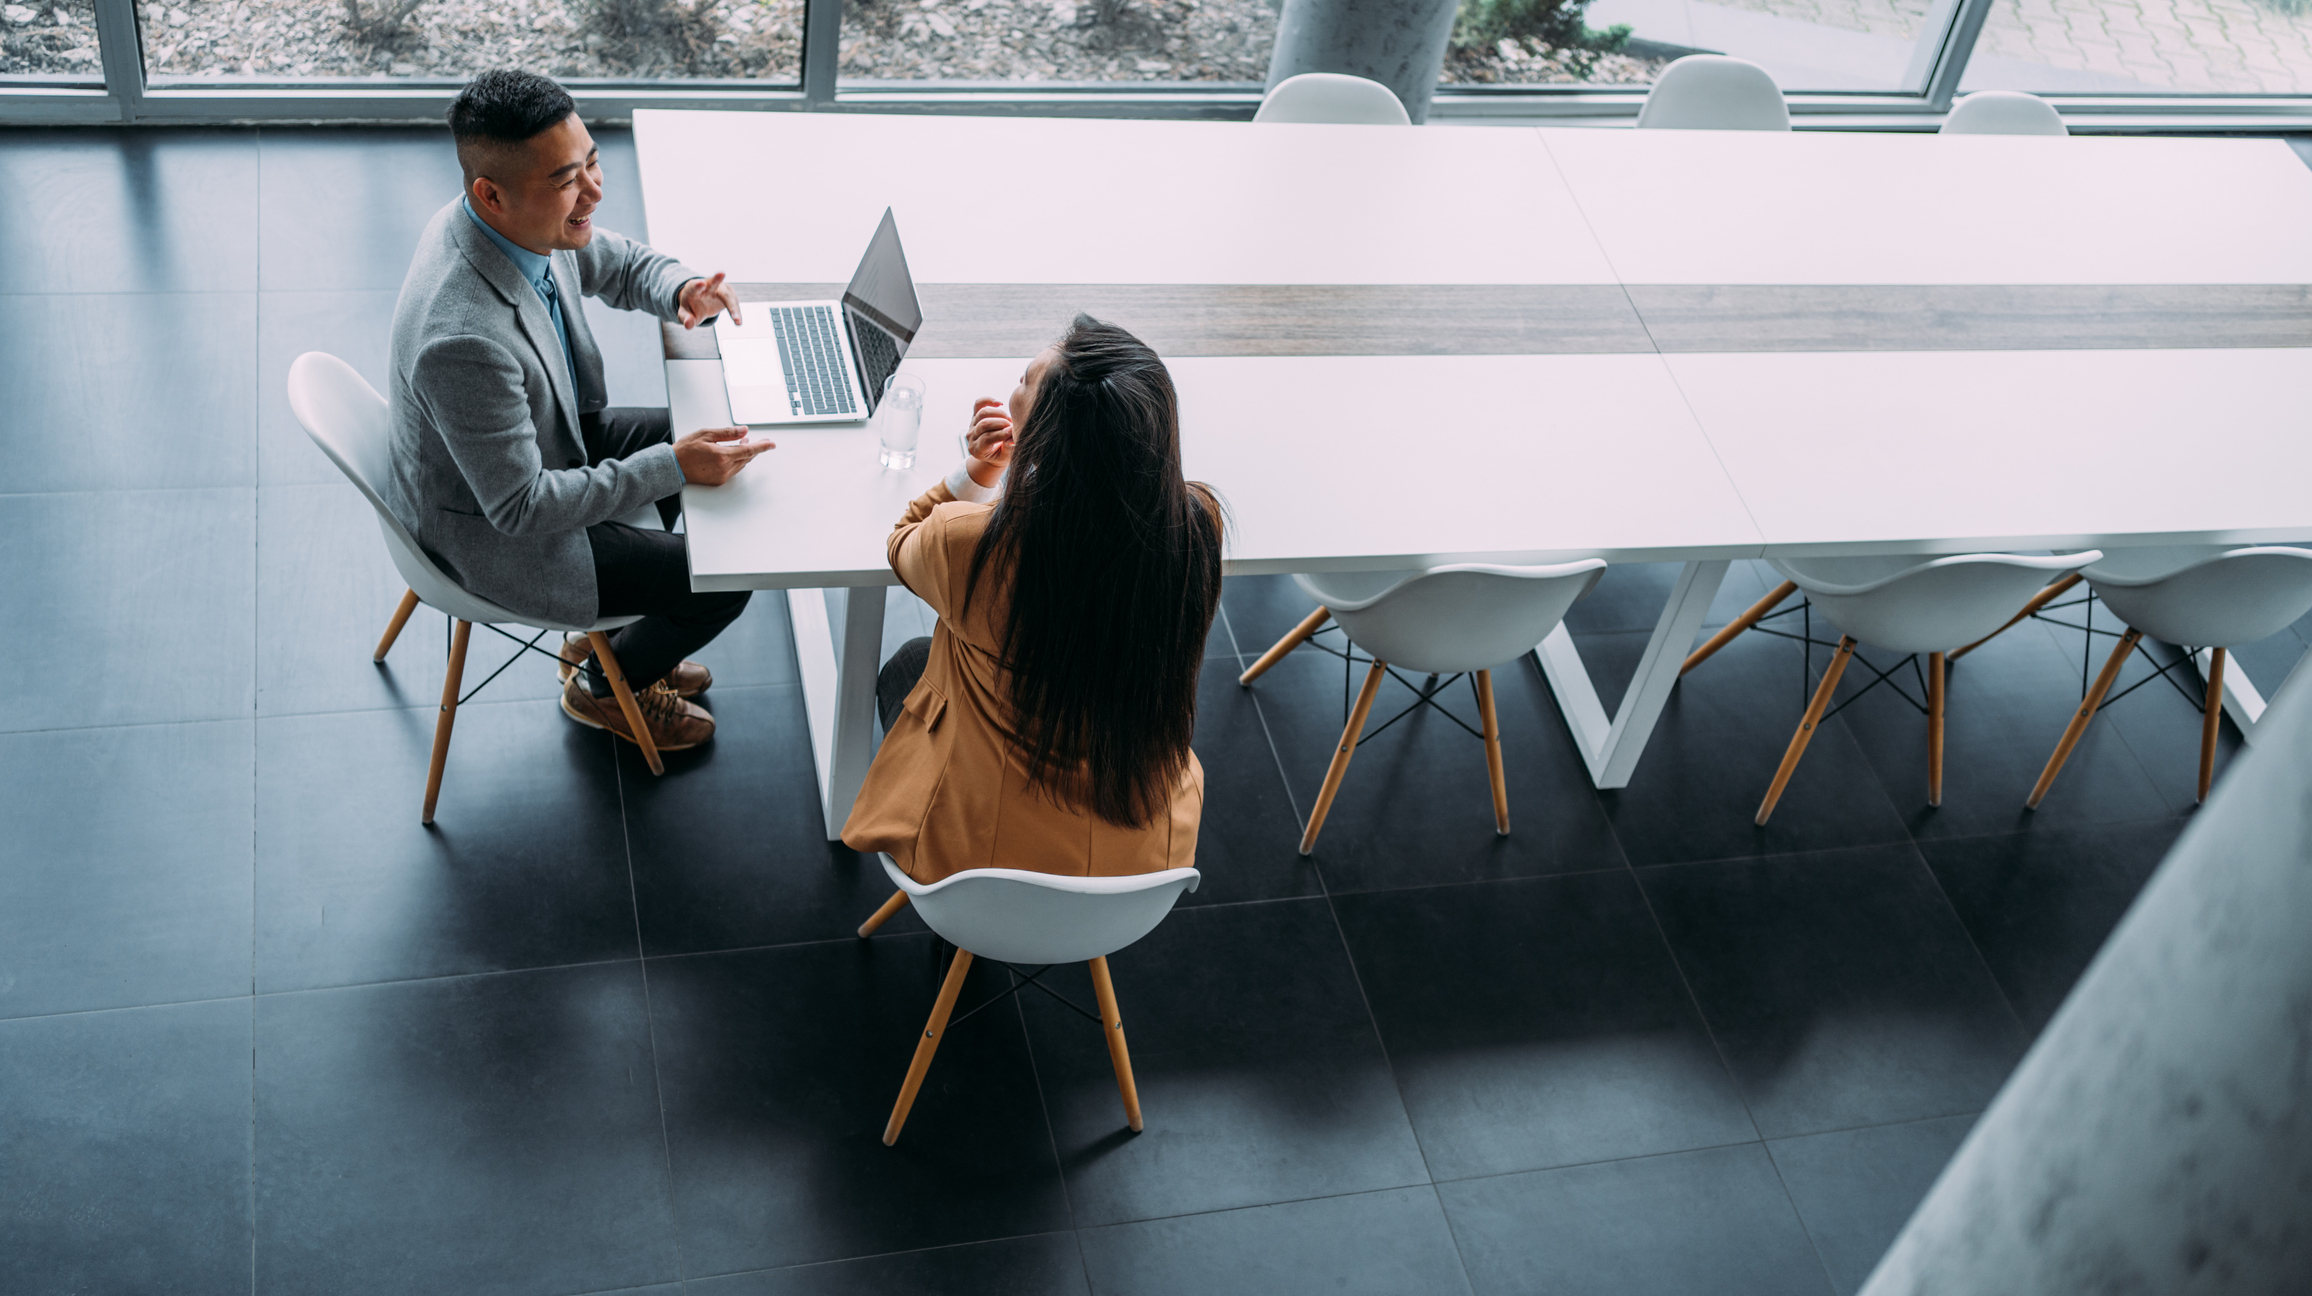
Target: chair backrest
{"points": [[1714, 92], [1014, 916], [1333, 97], [347, 418], [1909, 604], [2215, 600], [1469, 616], [2003, 112]]}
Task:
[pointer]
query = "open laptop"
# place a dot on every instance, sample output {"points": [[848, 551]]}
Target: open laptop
{"points": [[823, 361]]}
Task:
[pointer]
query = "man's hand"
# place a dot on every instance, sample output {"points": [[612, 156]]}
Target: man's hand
{"points": [[712, 456], [702, 299], [988, 445]]}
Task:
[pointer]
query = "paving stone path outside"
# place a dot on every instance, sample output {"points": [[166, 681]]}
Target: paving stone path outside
{"points": [[2230, 46]]}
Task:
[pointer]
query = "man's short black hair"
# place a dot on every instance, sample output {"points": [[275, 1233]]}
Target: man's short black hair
{"points": [[504, 106]]}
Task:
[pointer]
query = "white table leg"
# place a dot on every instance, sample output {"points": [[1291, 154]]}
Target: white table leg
{"points": [[838, 640], [1611, 748]]}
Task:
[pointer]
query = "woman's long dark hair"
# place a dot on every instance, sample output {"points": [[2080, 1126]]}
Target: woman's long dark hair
{"points": [[1115, 569]]}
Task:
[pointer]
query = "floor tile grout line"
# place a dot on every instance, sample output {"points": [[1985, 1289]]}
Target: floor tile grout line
{"points": [[1356, 977], [1380, 1041], [347, 711], [1982, 959], [649, 1016], [256, 640], [1084, 1259], [869, 1255], [1685, 982], [1236, 655], [1830, 1281], [1043, 1104], [1282, 1201], [1615, 867], [252, 1145], [1970, 1114]]}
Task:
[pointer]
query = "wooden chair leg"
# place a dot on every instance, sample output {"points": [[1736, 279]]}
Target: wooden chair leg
{"points": [[1300, 635], [1493, 753], [2038, 601], [929, 1044], [897, 902], [1806, 724], [1739, 624], [448, 718], [608, 661], [1113, 1021], [2086, 712], [393, 627], [1341, 755], [2211, 720], [1934, 729]]}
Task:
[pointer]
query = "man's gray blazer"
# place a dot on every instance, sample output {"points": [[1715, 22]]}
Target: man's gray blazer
{"points": [[489, 469]]}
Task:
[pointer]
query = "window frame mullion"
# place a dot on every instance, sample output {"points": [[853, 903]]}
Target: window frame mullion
{"points": [[1958, 48], [822, 48], [122, 50]]}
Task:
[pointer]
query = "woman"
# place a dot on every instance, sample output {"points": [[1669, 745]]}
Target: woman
{"points": [[1049, 727]]}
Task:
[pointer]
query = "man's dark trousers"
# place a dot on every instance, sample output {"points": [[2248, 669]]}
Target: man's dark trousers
{"points": [[640, 572]]}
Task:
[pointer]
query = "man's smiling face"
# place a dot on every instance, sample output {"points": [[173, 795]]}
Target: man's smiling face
{"points": [[550, 185]]}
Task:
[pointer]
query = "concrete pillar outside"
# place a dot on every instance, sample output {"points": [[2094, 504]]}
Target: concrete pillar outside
{"points": [[1399, 43], [2158, 1136]]}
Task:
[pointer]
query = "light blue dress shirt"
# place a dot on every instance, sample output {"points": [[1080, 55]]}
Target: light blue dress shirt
{"points": [[539, 271]]}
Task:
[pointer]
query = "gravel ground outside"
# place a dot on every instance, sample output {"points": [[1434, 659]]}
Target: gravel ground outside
{"points": [[1024, 41]]}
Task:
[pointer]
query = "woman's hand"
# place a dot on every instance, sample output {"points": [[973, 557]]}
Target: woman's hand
{"points": [[988, 444]]}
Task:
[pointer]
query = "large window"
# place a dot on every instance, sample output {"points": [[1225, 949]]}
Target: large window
{"points": [[1058, 40], [1836, 45], [50, 42], [273, 40], [2145, 46], [1878, 60]]}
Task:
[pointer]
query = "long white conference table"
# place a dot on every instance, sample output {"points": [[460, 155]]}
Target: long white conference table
{"points": [[1401, 347]]}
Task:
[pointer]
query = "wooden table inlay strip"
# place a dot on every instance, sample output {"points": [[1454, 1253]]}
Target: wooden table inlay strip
{"points": [[1973, 317], [1017, 320], [1006, 320]]}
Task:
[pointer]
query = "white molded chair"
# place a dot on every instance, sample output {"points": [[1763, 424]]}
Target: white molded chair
{"points": [[1333, 97], [1018, 917], [2003, 112], [1714, 92], [347, 418], [1909, 604], [2206, 596], [1455, 620]]}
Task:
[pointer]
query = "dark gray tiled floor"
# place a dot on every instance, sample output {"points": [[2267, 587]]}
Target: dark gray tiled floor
{"points": [[602, 1031]]}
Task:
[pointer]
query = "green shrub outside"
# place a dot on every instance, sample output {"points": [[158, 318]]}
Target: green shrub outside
{"points": [[1555, 23]]}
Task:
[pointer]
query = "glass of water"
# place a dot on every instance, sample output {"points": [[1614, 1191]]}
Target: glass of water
{"points": [[899, 420]]}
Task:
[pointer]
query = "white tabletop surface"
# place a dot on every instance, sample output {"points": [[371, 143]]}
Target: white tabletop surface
{"points": [[1958, 451], [1396, 462], [1325, 463], [1774, 207], [794, 197]]}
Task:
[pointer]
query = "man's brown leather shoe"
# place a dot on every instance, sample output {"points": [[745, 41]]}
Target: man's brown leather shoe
{"points": [[688, 680], [675, 725]]}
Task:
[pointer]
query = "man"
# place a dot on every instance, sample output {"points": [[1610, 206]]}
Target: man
{"points": [[506, 464]]}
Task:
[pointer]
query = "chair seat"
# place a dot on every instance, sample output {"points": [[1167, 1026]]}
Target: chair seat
{"points": [[2150, 563], [1351, 590], [1913, 603], [1029, 918], [2206, 595]]}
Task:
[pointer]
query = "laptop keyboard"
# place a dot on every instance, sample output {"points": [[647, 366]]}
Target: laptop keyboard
{"points": [[813, 358]]}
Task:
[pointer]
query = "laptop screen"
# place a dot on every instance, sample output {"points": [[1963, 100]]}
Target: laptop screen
{"points": [[882, 290]]}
